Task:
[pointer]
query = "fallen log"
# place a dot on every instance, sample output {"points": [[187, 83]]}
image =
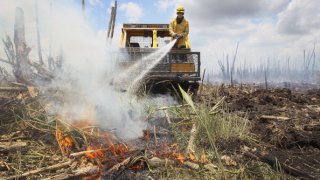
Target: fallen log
{"points": [[279, 118], [11, 137], [192, 165], [76, 174], [13, 88], [117, 166], [274, 163], [157, 162], [36, 171], [7, 146]]}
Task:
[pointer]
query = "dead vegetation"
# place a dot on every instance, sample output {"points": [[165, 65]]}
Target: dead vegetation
{"points": [[227, 132]]}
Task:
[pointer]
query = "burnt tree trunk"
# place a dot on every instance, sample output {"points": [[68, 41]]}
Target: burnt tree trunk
{"points": [[22, 69], [38, 35]]}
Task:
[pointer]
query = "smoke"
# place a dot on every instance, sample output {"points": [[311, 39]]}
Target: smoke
{"points": [[87, 67]]}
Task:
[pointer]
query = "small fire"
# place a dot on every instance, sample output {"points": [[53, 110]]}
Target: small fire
{"points": [[180, 158], [192, 157], [118, 150], [171, 152], [203, 158], [93, 153], [101, 147], [140, 165], [65, 141]]}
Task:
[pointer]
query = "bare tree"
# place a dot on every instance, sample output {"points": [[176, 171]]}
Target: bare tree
{"points": [[38, 35], [233, 62]]}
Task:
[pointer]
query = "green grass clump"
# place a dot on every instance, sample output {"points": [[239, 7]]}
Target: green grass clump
{"points": [[213, 124]]}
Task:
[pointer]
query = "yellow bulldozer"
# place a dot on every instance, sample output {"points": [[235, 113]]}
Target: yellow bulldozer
{"points": [[178, 67]]}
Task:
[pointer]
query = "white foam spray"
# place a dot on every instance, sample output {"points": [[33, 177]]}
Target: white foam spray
{"points": [[132, 77], [151, 61]]}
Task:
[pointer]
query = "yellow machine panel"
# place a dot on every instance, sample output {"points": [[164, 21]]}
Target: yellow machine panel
{"points": [[183, 67]]}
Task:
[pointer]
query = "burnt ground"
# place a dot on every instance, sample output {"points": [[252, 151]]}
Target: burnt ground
{"points": [[292, 136]]}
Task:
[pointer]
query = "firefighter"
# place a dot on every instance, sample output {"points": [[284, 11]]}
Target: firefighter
{"points": [[179, 29]]}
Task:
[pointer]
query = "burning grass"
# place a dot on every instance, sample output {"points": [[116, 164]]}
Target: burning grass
{"points": [[202, 140]]}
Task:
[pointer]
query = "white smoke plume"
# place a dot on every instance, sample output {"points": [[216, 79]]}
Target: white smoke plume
{"points": [[87, 69]]}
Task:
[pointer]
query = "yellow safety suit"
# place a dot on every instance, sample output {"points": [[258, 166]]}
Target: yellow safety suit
{"points": [[182, 28]]}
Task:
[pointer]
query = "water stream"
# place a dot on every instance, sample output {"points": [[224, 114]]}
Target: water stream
{"points": [[131, 78]]}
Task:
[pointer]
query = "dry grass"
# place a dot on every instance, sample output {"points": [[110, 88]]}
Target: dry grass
{"points": [[213, 124]]}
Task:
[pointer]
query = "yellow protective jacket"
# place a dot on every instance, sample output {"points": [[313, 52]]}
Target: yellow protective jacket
{"points": [[182, 28]]}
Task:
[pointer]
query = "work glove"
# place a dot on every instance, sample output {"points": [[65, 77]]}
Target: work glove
{"points": [[177, 36], [174, 35]]}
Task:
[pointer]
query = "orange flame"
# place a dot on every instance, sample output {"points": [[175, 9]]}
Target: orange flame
{"points": [[95, 153], [65, 141], [180, 158], [192, 157], [140, 165], [203, 158], [118, 149]]}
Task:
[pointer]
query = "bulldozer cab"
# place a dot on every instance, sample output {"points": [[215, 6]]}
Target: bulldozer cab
{"points": [[179, 66], [145, 35]]}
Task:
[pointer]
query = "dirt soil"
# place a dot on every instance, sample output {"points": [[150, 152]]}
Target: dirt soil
{"points": [[292, 136], [284, 123]]}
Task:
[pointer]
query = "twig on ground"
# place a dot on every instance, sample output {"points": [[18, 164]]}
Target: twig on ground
{"points": [[169, 107], [117, 166], [53, 167], [280, 118], [13, 89], [76, 154], [155, 135], [193, 132], [7, 146], [167, 116]]}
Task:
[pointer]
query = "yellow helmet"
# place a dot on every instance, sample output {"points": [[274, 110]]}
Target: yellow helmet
{"points": [[180, 9]]}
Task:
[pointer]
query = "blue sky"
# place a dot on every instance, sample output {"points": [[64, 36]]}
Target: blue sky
{"points": [[265, 29], [98, 14]]}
